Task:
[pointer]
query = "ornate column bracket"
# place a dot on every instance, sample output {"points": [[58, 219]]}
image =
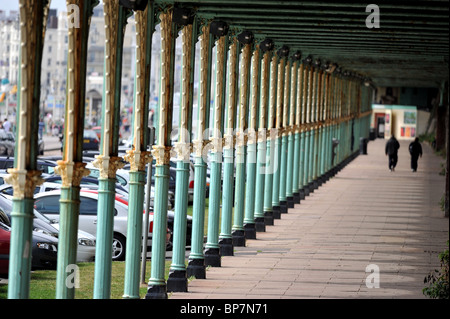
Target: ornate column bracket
{"points": [[108, 166], [241, 138], [23, 182], [182, 151], [217, 144], [139, 159], [71, 173]]}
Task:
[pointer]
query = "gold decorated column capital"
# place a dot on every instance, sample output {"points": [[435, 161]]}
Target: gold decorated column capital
{"points": [[138, 160], [252, 136], [198, 146], [71, 173], [228, 141], [23, 182], [108, 166], [182, 151], [217, 144]]}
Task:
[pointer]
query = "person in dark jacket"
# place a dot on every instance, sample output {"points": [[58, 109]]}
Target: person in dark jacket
{"points": [[415, 149], [391, 150]]}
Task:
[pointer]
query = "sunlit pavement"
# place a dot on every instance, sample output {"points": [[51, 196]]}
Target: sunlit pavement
{"points": [[366, 233]]}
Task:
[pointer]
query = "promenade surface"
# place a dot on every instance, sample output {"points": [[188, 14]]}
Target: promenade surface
{"points": [[364, 216]]}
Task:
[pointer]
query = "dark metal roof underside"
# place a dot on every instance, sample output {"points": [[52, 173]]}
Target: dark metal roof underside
{"points": [[409, 49]]}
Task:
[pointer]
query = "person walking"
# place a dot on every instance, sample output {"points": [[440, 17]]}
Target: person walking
{"points": [[391, 150], [6, 125], [415, 149]]}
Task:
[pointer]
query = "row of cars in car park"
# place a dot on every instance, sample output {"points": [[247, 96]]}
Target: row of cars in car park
{"points": [[44, 240], [46, 213]]}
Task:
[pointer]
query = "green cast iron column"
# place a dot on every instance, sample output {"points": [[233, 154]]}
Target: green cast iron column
{"points": [[71, 167], [177, 281], [279, 120], [306, 127], [261, 170], [212, 248], [340, 128], [139, 157], [225, 236], [284, 138], [108, 161], [270, 146], [328, 119], [157, 288], [292, 132], [196, 266], [249, 212], [321, 150], [297, 137], [24, 176], [317, 131], [239, 202], [313, 132]]}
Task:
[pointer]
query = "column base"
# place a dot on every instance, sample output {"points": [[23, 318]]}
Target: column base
{"points": [[306, 190], [296, 197], [196, 268], [156, 292], [226, 247], [276, 212], [250, 231], [315, 184], [311, 187], [238, 238], [260, 224], [319, 181], [177, 281], [212, 257], [301, 193], [268, 218], [290, 202], [283, 207]]}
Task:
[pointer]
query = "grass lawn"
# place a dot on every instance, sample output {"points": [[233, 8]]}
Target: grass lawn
{"points": [[43, 282]]}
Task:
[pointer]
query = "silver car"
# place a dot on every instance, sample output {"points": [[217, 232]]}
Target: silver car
{"points": [[48, 204], [42, 224]]}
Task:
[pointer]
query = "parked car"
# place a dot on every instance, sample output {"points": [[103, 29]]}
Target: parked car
{"points": [[85, 181], [43, 225], [44, 165], [123, 179], [43, 249], [90, 140], [5, 237], [170, 223], [48, 204], [98, 131], [125, 174], [8, 143]]}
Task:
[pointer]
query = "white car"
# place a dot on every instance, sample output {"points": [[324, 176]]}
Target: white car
{"points": [[123, 178], [48, 204], [42, 224], [86, 245]]}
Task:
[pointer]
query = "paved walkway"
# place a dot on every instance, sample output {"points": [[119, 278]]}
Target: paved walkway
{"points": [[365, 215]]}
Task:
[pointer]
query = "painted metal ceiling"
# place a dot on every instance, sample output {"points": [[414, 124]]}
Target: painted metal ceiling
{"points": [[409, 49]]}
